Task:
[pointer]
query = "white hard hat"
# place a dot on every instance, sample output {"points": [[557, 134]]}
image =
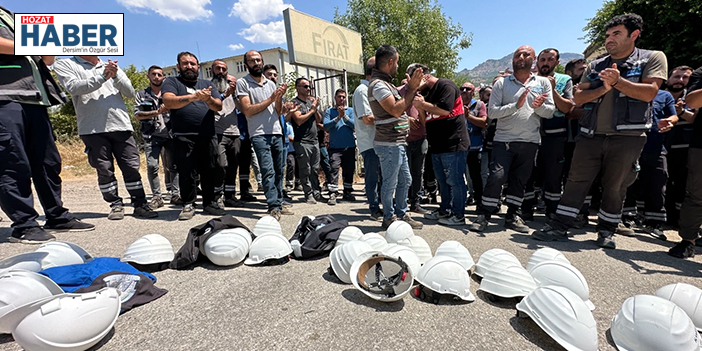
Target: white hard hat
{"points": [[406, 254], [563, 316], [382, 278], [30, 261], [397, 231], [687, 297], [149, 249], [267, 224], [226, 248], [420, 247], [342, 257], [62, 253], [562, 274], [268, 246], [489, 257], [375, 240], [21, 287], [454, 249], [507, 279], [445, 275], [545, 254], [65, 321], [651, 323], [349, 233]]}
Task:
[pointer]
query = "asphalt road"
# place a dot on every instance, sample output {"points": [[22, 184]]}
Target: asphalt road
{"points": [[298, 306]]}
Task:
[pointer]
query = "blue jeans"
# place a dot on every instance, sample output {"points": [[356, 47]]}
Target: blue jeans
{"points": [[271, 159], [396, 179], [449, 168], [371, 165]]}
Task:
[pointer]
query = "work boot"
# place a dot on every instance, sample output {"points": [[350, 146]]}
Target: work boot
{"points": [[144, 211], [388, 222], [310, 200], [580, 221], [453, 221], [286, 211], [248, 197], [176, 200], [187, 213], [116, 213], [377, 215], [332, 199], [156, 202], [623, 229], [348, 197], [437, 215], [605, 239], [479, 224], [548, 233], [215, 209], [655, 231], [683, 249], [414, 224], [232, 202], [517, 224], [275, 213]]}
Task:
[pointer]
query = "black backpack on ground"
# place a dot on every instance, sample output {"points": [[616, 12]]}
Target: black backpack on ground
{"points": [[316, 237]]}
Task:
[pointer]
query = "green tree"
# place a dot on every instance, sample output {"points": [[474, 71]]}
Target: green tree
{"points": [[671, 26], [559, 69], [417, 28]]}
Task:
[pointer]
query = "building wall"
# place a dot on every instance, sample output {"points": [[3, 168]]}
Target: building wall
{"points": [[279, 57]]}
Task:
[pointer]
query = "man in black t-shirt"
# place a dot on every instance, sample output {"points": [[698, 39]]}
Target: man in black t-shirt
{"points": [[192, 103], [447, 134], [304, 121]]}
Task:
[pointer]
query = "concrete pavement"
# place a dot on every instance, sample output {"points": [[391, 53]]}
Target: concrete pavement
{"points": [[298, 306]]}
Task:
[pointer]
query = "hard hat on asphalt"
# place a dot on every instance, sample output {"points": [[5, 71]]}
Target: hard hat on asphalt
{"points": [[383, 278], [342, 257], [562, 274], [397, 231], [267, 224], [491, 256], [62, 253], [445, 275], [21, 287], [687, 297], [149, 249], [406, 254], [65, 321], [349, 233], [268, 246], [241, 232], [507, 279], [545, 254], [420, 247], [454, 249], [30, 261], [375, 240], [652, 323], [563, 316], [226, 248]]}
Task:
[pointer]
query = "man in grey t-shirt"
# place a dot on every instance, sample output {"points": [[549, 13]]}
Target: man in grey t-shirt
{"points": [[262, 103]]}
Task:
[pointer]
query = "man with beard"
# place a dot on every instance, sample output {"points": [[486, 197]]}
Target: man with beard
{"points": [[678, 143], [518, 102], [271, 73], [476, 119], [158, 143], [616, 91], [262, 103], [391, 128], [365, 134], [193, 103], [227, 130], [551, 155], [447, 133], [97, 89], [304, 121], [25, 95]]}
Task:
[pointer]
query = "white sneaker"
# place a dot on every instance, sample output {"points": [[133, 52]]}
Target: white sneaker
{"points": [[453, 220]]}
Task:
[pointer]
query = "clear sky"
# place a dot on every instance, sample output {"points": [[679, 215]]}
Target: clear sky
{"points": [[156, 30]]}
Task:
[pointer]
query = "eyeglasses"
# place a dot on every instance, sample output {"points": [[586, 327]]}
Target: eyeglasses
{"points": [[304, 86], [466, 89]]}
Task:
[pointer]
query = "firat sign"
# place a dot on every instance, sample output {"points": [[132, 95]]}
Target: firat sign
{"points": [[69, 34], [37, 20]]}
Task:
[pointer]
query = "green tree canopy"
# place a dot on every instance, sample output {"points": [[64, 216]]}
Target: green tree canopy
{"points": [[671, 26], [417, 28]]}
